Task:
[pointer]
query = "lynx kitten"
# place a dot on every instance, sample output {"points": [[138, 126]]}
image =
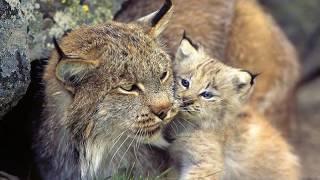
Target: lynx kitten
{"points": [[221, 138]]}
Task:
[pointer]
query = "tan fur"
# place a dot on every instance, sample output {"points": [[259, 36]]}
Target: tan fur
{"points": [[220, 138], [251, 149], [241, 34], [265, 49], [108, 92]]}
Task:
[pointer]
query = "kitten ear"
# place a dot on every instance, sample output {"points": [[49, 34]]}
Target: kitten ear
{"points": [[70, 70], [186, 48], [157, 21]]}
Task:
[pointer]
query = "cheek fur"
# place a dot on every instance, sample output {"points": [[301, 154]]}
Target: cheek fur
{"points": [[121, 108]]}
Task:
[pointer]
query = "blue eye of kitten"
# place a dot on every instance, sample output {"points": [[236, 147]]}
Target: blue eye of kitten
{"points": [[185, 83], [206, 94]]}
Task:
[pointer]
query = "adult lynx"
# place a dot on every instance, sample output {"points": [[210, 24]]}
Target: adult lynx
{"points": [[109, 92]]}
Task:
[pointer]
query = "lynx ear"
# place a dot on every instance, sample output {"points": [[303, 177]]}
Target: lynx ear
{"points": [[61, 54], [71, 72], [157, 21], [186, 49], [70, 69]]}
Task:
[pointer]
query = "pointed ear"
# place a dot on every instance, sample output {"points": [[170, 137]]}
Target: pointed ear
{"points": [[186, 48], [71, 72], [61, 54], [70, 69], [157, 21]]}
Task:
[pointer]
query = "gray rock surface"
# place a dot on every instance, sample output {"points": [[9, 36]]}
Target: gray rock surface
{"points": [[14, 62]]}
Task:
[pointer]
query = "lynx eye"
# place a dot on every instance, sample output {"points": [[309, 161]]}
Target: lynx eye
{"points": [[129, 89], [164, 76], [207, 95], [185, 83]]}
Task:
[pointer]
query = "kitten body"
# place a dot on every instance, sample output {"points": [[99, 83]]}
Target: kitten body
{"points": [[219, 137]]}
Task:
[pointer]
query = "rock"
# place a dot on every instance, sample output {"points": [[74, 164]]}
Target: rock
{"points": [[26, 31], [14, 62]]}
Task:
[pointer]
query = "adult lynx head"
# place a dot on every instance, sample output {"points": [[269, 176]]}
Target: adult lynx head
{"points": [[113, 78], [208, 89]]}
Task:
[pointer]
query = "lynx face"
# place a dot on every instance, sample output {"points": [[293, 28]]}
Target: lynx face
{"points": [[207, 88], [140, 100], [130, 91]]}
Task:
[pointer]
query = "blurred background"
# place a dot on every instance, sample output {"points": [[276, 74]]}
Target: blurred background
{"points": [[39, 21], [300, 20]]}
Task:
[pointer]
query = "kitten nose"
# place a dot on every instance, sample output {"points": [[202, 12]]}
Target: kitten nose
{"points": [[186, 101], [161, 109]]}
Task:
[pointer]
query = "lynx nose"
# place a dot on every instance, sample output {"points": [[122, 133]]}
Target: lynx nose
{"points": [[161, 109]]}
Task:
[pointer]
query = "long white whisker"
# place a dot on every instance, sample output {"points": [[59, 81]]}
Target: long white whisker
{"points": [[182, 110], [126, 152], [182, 125], [113, 145], [117, 142], [118, 150], [188, 122], [174, 130], [137, 147], [175, 125]]}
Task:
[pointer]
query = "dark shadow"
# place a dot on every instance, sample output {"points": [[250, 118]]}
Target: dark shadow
{"points": [[16, 128]]}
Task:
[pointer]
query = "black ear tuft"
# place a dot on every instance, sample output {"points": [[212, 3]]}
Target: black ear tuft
{"points": [[184, 36], [58, 49], [164, 9], [156, 22], [253, 76]]}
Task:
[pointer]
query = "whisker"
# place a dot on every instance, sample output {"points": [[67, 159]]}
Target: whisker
{"points": [[136, 146], [117, 150], [190, 110], [126, 152], [216, 172], [118, 138], [174, 130], [192, 124], [174, 123], [182, 125]]}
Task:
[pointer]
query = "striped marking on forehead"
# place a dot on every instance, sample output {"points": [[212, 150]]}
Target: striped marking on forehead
{"points": [[208, 61], [205, 68]]}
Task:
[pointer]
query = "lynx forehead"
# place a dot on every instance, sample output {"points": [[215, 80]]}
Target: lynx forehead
{"points": [[118, 48]]}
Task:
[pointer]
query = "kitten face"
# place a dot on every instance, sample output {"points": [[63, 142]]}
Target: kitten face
{"points": [[207, 88]]}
